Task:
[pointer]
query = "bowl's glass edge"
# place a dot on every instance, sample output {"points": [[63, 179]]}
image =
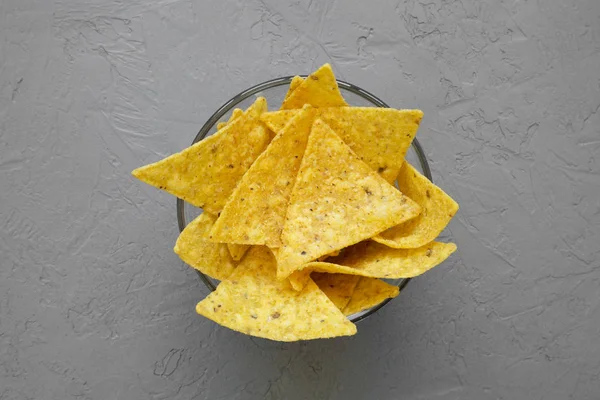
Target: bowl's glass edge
{"points": [[225, 108]]}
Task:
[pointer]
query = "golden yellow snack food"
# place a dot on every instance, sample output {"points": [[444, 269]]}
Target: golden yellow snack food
{"points": [[379, 136], [301, 219], [437, 210], [256, 210], [369, 292], [211, 259], [299, 279], [319, 89], [253, 301], [296, 81], [237, 112], [206, 173], [338, 287], [380, 261], [337, 201], [237, 251]]}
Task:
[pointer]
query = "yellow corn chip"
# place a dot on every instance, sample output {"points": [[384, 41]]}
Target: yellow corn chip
{"points": [[299, 279], [379, 136], [254, 302], [237, 251], [296, 81], [256, 210], [277, 120], [234, 114], [332, 254], [338, 287], [437, 210], [379, 261], [337, 201], [206, 173], [319, 89], [368, 293], [211, 259]]}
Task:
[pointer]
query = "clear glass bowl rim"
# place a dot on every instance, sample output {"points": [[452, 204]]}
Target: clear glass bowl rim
{"points": [[225, 108]]}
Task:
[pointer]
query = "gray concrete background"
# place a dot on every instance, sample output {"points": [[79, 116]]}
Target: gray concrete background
{"points": [[95, 305]]}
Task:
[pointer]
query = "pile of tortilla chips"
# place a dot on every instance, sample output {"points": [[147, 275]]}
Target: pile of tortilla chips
{"points": [[301, 219]]}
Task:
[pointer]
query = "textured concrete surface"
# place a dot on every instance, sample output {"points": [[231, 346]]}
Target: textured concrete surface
{"points": [[95, 305]]}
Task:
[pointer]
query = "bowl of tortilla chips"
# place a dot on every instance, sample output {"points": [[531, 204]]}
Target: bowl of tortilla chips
{"points": [[308, 217]]}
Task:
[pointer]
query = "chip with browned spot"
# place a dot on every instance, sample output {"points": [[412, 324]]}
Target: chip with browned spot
{"points": [[206, 173], [337, 201], [253, 301], [380, 261], [255, 212]]}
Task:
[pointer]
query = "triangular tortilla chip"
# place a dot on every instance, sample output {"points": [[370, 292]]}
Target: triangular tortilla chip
{"points": [[256, 210], [206, 173], [379, 261], [319, 89], [337, 201], [379, 136], [211, 259], [368, 293], [238, 112], [338, 287], [254, 302], [237, 251], [296, 81], [437, 210]]}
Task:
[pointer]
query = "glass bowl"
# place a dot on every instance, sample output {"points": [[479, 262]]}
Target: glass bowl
{"points": [[274, 91]]}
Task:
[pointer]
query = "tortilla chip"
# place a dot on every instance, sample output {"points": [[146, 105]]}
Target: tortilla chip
{"points": [[211, 259], [254, 302], [368, 293], [237, 112], [299, 279], [277, 120], [255, 212], [337, 201], [437, 210], [332, 254], [237, 251], [338, 287], [379, 261], [296, 81], [319, 89], [206, 173], [379, 136]]}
